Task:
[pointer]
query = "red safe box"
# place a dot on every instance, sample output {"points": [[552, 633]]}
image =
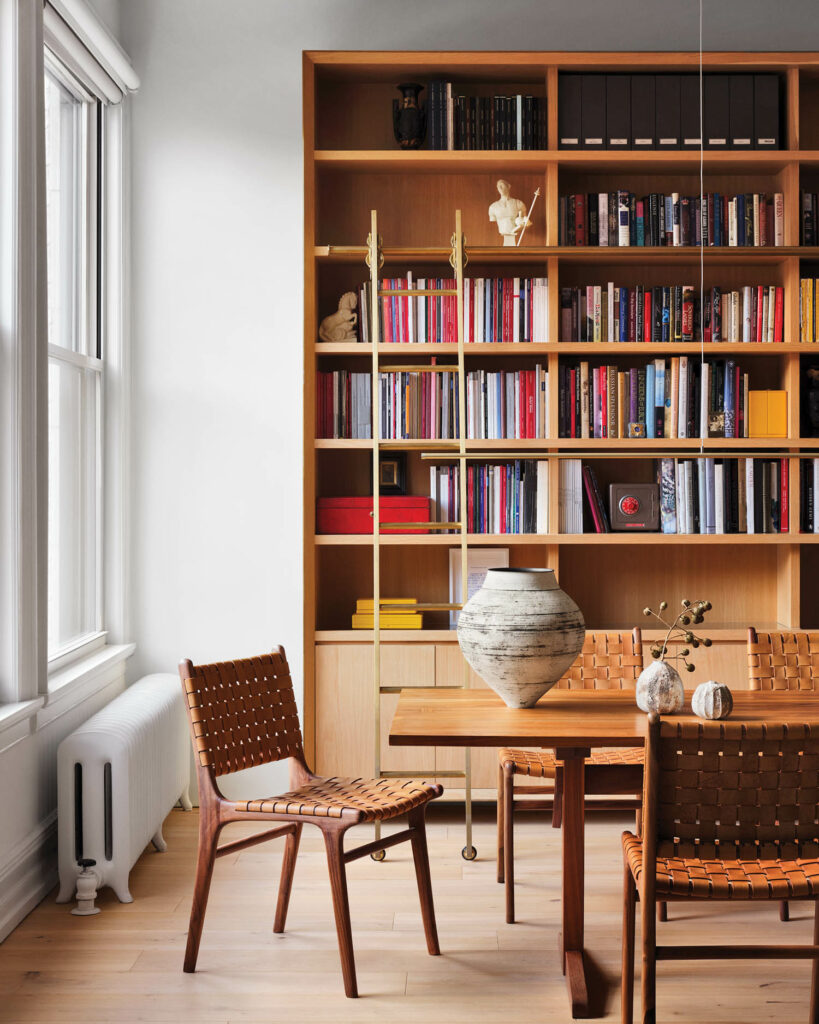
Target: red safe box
{"points": [[354, 515]]}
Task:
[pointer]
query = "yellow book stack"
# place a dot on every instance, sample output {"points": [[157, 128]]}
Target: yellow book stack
{"points": [[396, 613]]}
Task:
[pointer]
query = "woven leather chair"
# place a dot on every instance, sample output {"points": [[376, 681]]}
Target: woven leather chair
{"points": [[729, 813], [242, 714], [782, 661], [608, 661]]}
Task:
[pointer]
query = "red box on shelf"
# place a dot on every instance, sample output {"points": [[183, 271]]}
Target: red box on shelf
{"points": [[354, 515]]}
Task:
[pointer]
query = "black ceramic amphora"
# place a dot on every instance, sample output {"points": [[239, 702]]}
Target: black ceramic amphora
{"points": [[409, 119]]}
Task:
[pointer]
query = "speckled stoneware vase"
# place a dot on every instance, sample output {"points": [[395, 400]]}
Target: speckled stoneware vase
{"points": [[660, 689], [520, 633]]}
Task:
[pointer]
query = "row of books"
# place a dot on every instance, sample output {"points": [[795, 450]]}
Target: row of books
{"points": [[511, 497], [419, 405], [808, 327], [723, 495], [662, 111], [496, 309], [643, 313], [668, 398], [507, 403], [809, 221], [343, 404], [620, 218], [809, 495], [507, 121]]}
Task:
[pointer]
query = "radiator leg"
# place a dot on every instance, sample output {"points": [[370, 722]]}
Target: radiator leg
{"points": [[159, 841], [121, 890], [185, 799]]}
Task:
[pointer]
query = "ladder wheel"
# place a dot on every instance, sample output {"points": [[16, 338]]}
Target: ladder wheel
{"points": [[379, 855], [469, 853]]}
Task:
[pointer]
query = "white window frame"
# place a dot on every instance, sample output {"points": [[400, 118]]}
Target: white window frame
{"points": [[92, 257], [74, 33]]}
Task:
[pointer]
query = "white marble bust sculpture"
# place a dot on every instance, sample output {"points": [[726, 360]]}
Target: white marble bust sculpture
{"points": [[508, 213]]}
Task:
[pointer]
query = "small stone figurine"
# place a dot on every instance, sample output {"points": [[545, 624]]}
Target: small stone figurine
{"points": [[508, 213], [340, 326]]}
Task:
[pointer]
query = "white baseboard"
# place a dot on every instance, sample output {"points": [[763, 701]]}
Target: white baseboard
{"points": [[28, 874]]}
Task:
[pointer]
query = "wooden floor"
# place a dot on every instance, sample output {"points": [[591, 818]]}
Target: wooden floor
{"points": [[126, 963]]}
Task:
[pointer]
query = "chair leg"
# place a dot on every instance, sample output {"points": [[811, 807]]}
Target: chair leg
{"points": [[509, 841], [814, 978], [205, 859], [500, 805], [649, 961], [291, 852], [784, 911], [627, 983], [421, 857], [557, 800], [334, 843], [662, 911]]}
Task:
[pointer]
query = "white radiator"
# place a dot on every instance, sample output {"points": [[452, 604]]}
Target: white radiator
{"points": [[119, 775]]}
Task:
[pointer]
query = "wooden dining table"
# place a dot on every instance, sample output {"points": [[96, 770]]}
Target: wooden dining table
{"points": [[571, 722]]}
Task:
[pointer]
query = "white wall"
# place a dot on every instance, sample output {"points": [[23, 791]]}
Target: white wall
{"points": [[217, 273]]}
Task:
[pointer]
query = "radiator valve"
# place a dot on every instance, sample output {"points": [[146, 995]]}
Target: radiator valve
{"points": [[86, 889]]}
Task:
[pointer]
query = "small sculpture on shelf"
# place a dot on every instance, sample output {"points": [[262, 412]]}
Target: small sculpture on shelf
{"points": [[510, 214], [341, 325], [659, 687], [712, 700], [409, 118]]}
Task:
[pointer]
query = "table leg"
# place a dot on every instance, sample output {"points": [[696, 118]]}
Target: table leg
{"points": [[573, 759]]}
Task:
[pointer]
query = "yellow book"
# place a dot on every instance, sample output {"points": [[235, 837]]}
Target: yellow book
{"points": [[367, 604], [767, 413], [389, 621]]}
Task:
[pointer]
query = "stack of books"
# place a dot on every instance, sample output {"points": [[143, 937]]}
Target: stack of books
{"points": [[507, 121], [669, 398], [672, 313], [496, 310], [621, 218], [396, 613]]}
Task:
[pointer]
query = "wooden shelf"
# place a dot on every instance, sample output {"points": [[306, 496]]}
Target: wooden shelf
{"points": [[600, 348], [736, 632], [681, 254], [586, 447], [462, 161], [552, 539]]}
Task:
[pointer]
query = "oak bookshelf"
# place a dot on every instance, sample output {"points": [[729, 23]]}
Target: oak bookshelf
{"points": [[353, 166]]}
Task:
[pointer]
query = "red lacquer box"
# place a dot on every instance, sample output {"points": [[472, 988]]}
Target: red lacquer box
{"points": [[353, 515]]}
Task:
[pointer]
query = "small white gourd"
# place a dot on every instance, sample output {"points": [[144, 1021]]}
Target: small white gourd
{"points": [[712, 700]]}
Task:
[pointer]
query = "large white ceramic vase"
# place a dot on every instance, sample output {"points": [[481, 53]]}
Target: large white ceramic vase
{"points": [[520, 633]]}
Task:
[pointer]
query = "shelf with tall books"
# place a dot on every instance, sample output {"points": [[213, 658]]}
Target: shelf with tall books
{"points": [[555, 332]]}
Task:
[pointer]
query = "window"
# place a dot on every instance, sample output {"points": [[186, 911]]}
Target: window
{"points": [[75, 365]]}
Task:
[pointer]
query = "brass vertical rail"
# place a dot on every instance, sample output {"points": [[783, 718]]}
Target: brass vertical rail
{"points": [[374, 260], [458, 260]]}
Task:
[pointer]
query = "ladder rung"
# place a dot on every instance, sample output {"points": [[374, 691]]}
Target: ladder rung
{"points": [[418, 291], [430, 526], [423, 607], [400, 689]]}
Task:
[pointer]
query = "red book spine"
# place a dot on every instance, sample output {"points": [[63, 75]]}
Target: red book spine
{"points": [[769, 221], [520, 383], [580, 219], [470, 499], [760, 334], [784, 498], [647, 316], [531, 394], [779, 313], [572, 403], [507, 310]]}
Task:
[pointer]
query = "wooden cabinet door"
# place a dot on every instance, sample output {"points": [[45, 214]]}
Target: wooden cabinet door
{"points": [[345, 708]]}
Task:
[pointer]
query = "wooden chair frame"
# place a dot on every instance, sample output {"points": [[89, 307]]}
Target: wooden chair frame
{"points": [[602, 780], [759, 674], [216, 812], [645, 893]]}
